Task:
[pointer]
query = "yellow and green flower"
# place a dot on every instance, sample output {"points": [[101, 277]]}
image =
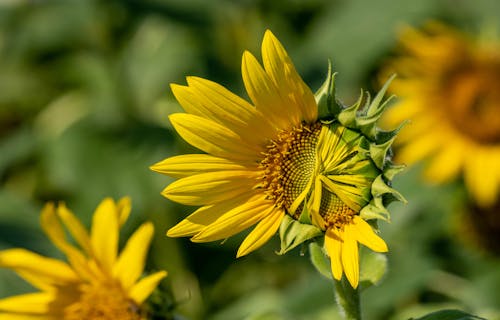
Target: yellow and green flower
{"points": [[291, 161], [449, 85], [96, 283]]}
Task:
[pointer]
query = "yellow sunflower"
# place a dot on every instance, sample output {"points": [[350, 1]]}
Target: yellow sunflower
{"points": [[96, 284], [281, 157], [449, 86]]}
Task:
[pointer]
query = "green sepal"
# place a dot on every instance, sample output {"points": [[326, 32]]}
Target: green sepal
{"points": [[375, 210], [293, 233], [375, 107], [368, 121], [325, 96], [383, 136], [373, 266], [449, 315], [305, 215], [365, 117], [347, 117], [319, 259], [378, 152], [392, 170], [380, 187]]}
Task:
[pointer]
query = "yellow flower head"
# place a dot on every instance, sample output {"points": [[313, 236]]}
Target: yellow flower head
{"points": [[96, 283], [283, 159], [449, 86]]}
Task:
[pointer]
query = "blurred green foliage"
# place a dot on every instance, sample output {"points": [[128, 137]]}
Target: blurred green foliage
{"points": [[84, 101]]}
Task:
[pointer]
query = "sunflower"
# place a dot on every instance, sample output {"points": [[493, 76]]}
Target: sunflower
{"points": [[96, 284], [285, 156], [449, 86]]}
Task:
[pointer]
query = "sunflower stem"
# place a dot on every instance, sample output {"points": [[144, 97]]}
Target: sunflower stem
{"points": [[347, 299]]}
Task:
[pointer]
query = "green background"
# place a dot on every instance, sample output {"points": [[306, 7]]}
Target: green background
{"points": [[84, 105]]}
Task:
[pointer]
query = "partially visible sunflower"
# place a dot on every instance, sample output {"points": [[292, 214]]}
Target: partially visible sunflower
{"points": [[96, 283], [285, 157], [449, 85]]}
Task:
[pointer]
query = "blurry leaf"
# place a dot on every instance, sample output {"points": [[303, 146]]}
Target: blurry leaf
{"points": [[16, 147], [373, 266], [61, 114], [159, 53], [266, 316], [349, 33], [449, 315]]}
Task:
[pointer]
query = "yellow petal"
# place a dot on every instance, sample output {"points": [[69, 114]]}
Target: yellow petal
{"points": [[236, 220], [49, 271], [265, 94], [104, 234], [211, 187], [364, 234], [333, 245], [75, 227], [52, 227], [191, 164], [480, 177], [36, 281], [350, 195], [11, 316], [299, 98], [213, 138], [316, 196], [123, 207], [230, 110], [210, 100], [264, 230], [130, 263], [31, 303], [143, 289], [204, 216], [419, 148], [350, 256]]}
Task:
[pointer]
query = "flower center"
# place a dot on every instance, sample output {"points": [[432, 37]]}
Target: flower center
{"points": [[334, 212], [102, 301], [473, 94], [291, 165]]}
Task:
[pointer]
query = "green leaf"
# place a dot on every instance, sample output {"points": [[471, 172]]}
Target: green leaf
{"points": [[373, 266], [449, 315], [293, 233], [320, 260]]}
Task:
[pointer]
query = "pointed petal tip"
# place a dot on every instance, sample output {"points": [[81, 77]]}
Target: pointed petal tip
{"points": [[269, 35], [246, 55], [162, 274], [148, 227], [172, 233], [241, 253], [354, 283], [178, 90]]}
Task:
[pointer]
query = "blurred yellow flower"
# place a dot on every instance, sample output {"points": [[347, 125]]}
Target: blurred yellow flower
{"points": [[269, 159], [97, 283], [449, 86]]}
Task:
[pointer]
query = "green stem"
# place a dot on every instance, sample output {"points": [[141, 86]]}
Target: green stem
{"points": [[347, 299]]}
